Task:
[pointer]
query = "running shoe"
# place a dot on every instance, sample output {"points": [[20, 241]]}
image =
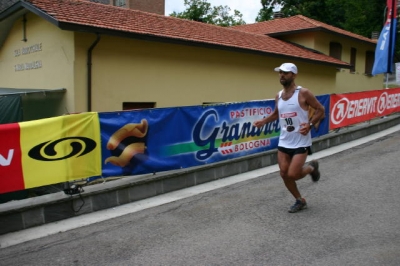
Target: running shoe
{"points": [[299, 205], [315, 174]]}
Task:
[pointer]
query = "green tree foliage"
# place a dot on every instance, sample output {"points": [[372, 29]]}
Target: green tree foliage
{"points": [[364, 16], [358, 16], [202, 11], [266, 12]]}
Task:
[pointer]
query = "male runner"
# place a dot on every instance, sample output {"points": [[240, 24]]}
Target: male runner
{"points": [[292, 105]]}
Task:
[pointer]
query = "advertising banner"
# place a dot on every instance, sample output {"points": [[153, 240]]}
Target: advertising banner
{"points": [[154, 140], [11, 176], [322, 127], [352, 108], [64, 148], [91, 145], [49, 151]]}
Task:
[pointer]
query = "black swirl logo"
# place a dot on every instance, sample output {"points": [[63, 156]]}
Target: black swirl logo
{"points": [[55, 150], [290, 128]]}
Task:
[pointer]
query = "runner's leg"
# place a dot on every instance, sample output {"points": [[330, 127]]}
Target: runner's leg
{"points": [[292, 169], [284, 161], [297, 170]]}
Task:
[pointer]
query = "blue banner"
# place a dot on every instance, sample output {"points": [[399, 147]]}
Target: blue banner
{"points": [[322, 127], [163, 139], [384, 52]]}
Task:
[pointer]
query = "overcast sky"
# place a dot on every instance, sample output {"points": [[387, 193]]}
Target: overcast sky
{"points": [[249, 8]]}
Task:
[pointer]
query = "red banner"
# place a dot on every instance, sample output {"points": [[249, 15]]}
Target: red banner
{"points": [[352, 108], [11, 176]]}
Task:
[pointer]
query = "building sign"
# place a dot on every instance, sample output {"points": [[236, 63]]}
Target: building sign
{"points": [[28, 65], [26, 51]]}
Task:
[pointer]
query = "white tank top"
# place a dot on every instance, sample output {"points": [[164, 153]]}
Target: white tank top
{"points": [[291, 115]]}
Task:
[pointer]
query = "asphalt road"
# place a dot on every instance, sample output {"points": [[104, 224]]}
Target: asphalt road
{"points": [[353, 218]]}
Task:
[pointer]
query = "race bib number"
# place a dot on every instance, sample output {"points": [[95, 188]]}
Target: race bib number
{"points": [[290, 122]]}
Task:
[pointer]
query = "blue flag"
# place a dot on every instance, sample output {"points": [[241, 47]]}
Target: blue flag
{"points": [[385, 48]]}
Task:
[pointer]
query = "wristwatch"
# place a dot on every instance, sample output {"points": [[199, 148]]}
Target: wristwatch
{"points": [[311, 124]]}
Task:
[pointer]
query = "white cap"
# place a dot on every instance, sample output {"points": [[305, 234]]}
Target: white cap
{"points": [[287, 67]]}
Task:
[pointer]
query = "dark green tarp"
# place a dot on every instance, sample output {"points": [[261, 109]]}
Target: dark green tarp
{"points": [[18, 105], [10, 109]]}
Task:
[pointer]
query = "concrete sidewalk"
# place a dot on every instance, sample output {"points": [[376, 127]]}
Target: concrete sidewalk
{"points": [[28, 213]]}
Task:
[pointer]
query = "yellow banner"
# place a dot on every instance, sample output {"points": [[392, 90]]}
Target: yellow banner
{"points": [[60, 149]]}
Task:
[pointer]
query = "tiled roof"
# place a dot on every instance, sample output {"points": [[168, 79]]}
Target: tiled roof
{"points": [[4, 4], [296, 23], [98, 16]]}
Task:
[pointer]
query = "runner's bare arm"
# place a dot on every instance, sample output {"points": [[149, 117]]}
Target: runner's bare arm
{"points": [[274, 116], [319, 109]]}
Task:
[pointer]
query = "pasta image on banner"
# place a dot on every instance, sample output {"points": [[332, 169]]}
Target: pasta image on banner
{"points": [[60, 149], [136, 130]]}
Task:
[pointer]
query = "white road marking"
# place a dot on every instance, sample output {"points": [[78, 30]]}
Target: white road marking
{"points": [[15, 238]]}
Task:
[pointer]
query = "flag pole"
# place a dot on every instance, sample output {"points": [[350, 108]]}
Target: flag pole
{"points": [[387, 81], [384, 51], [391, 37]]}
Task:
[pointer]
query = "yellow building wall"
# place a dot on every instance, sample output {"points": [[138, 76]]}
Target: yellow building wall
{"points": [[346, 81], [44, 61], [128, 70], [306, 39]]}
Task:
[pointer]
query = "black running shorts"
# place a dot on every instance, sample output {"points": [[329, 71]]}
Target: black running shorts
{"points": [[293, 152]]}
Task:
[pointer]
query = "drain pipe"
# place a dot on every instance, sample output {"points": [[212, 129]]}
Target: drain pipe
{"points": [[89, 70]]}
